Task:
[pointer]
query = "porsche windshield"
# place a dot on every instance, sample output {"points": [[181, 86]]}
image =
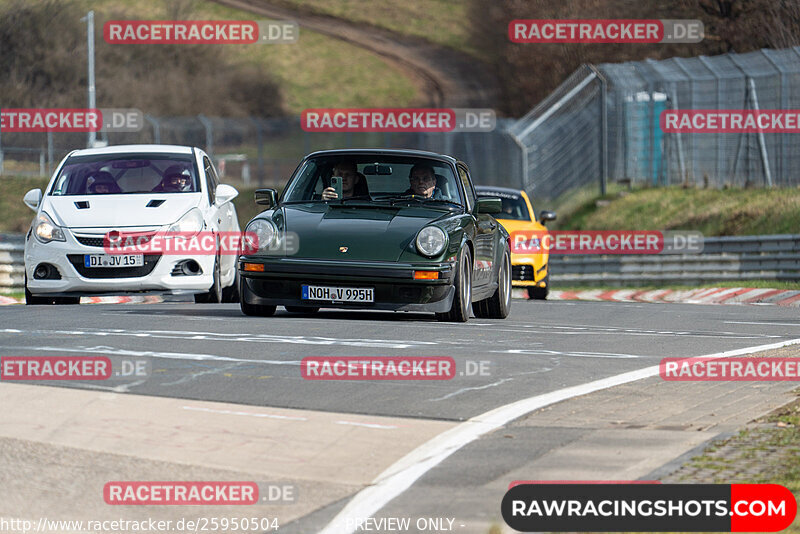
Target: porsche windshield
{"points": [[372, 178], [127, 173]]}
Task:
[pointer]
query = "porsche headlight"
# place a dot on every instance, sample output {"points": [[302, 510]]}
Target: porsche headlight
{"points": [[431, 241], [46, 230], [265, 231], [190, 223]]}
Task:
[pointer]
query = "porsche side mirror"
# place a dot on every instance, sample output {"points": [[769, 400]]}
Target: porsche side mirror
{"points": [[489, 205], [545, 216], [32, 198], [266, 197]]}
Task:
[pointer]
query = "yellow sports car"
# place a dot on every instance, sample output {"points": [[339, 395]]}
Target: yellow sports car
{"points": [[529, 270]]}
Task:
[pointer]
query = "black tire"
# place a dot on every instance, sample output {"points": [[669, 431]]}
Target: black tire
{"points": [[498, 305], [214, 295], [255, 310], [302, 309], [459, 312], [231, 293], [540, 293], [36, 301]]}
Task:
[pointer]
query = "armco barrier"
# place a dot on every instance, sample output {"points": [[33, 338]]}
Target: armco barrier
{"points": [[12, 262], [767, 257]]}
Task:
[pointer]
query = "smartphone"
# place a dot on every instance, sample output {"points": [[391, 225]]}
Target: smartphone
{"points": [[336, 184]]}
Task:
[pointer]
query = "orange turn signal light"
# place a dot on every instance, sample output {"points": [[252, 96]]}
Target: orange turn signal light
{"points": [[258, 267], [426, 275]]}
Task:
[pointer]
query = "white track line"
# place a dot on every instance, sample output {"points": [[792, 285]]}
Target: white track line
{"points": [[408, 469]]}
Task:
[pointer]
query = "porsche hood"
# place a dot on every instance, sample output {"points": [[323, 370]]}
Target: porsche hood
{"points": [[356, 233]]}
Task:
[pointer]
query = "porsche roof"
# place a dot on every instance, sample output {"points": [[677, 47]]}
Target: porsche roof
{"points": [[383, 152]]}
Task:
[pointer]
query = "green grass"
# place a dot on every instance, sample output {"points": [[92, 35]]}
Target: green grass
{"points": [[16, 216], [316, 71], [713, 212], [443, 22], [773, 449]]}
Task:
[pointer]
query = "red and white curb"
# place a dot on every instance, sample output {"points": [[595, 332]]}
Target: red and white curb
{"points": [[706, 295], [152, 299]]}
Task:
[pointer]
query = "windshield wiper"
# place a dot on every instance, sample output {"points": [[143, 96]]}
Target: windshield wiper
{"points": [[442, 201], [417, 198]]}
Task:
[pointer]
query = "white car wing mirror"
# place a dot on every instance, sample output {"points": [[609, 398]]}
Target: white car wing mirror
{"points": [[32, 199], [225, 193]]}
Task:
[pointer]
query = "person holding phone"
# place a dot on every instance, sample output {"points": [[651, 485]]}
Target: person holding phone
{"points": [[353, 182]]}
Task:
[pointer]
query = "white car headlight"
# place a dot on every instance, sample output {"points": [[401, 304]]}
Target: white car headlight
{"points": [[265, 231], [192, 222], [46, 230], [431, 241]]}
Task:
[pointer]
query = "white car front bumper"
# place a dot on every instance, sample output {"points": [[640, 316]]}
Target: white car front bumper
{"points": [[156, 275]]}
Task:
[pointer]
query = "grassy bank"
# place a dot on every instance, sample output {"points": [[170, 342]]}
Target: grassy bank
{"points": [[767, 452], [713, 212], [44, 42], [439, 21]]}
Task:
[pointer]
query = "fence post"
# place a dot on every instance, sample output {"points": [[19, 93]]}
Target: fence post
{"points": [[717, 165], [156, 128], [1, 147], [781, 159], [49, 153], [603, 130], [260, 143], [762, 145], [681, 163], [209, 134]]}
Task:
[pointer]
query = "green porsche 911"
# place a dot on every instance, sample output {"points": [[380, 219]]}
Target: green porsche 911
{"points": [[378, 230]]}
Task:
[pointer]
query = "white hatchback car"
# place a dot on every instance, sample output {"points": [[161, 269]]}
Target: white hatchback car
{"points": [[143, 189]]}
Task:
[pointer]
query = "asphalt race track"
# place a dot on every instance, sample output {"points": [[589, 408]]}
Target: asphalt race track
{"points": [[207, 352], [214, 353]]}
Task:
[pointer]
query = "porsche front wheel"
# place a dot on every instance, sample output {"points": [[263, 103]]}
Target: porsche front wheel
{"points": [[459, 312]]}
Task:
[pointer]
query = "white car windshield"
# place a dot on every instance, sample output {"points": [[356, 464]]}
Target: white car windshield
{"points": [[127, 173]]}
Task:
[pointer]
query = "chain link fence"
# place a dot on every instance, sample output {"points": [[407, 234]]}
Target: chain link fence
{"points": [[602, 124], [265, 152]]}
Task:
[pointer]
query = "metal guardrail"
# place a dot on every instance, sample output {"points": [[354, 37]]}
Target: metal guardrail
{"points": [[12, 262], [767, 257]]}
